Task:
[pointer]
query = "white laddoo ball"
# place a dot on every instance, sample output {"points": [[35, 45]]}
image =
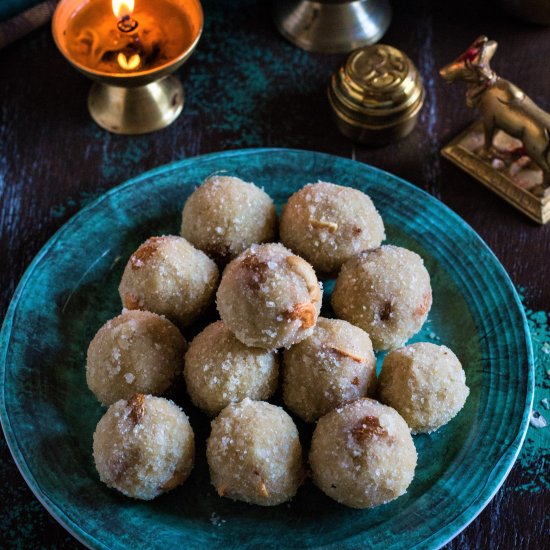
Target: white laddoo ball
{"points": [[386, 292], [219, 369], [254, 453], [168, 276], [136, 352], [328, 224], [269, 298], [144, 447], [334, 365], [225, 215], [362, 454], [425, 383]]}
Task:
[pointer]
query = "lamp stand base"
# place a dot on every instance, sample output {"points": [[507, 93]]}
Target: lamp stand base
{"points": [[136, 110]]}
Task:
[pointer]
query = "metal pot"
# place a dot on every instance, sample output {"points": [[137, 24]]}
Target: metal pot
{"points": [[332, 26]]}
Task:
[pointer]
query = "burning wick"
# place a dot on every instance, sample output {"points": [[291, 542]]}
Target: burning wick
{"points": [[127, 24], [123, 12]]}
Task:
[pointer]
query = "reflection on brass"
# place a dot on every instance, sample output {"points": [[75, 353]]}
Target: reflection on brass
{"points": [[509, 150], [135, 102], [332, 26], [376, 95]]}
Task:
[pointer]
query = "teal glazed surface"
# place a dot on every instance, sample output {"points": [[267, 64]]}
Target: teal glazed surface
{"points": [[70, 290]]}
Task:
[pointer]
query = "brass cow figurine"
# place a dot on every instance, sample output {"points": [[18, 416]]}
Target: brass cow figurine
{"points": [[502, 104]]}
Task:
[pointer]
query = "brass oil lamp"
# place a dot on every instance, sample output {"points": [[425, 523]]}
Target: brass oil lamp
{"points": [[130, 48]]}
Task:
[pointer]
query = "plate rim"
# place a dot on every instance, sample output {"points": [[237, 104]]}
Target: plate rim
{"points": [[438, 539]]}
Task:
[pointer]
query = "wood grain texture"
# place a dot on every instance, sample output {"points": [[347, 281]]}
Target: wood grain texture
{"points": [[247, 87]]}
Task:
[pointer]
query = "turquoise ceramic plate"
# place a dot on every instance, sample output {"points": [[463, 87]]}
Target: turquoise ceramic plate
{"points": [[70, 289]]}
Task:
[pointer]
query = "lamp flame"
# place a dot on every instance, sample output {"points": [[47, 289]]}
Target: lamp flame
{"points": [[122, 8], [128, 63]]}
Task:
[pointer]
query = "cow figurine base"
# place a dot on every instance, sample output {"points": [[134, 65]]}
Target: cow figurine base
{"points": [[515, 178], [509, 149]]}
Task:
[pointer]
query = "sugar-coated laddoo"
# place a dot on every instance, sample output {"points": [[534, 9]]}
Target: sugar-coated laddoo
{"points": [[254, 453], [362, 454], [225, 215], [269, 298], [425, 383], [386, 292], [136, 352], [144, 447], [334, 365], [328, 224], [219, 369], [169, 276]]}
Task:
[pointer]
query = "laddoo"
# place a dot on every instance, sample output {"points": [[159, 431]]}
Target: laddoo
{"points": [[425, 383], [386, 292], [334, 365], [144, 446], [362, 454], [225, 215], [269, 297], [136, 352], [219, 369], [328, 224], [169, 276], [254, 453]]}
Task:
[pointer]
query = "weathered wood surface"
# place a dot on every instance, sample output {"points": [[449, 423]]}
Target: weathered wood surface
{"points": [[247, 87]]}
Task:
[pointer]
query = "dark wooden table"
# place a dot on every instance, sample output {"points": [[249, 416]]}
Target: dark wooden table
{"points": [[247, 87]]}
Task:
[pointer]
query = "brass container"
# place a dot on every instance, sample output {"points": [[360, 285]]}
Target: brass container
{"points": [[376, 95]]}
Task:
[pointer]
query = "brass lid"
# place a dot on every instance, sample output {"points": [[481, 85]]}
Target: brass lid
{"points": [[378, 87]]}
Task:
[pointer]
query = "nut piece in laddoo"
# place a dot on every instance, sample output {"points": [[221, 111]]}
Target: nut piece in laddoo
{"points": [[219, 369], [168, 276], [334, 365], [328, 224], [425, 383], [254, 453], [144, 447], [386, 292], [269, 298], [225, 215], [136, 352], [362, 454]]}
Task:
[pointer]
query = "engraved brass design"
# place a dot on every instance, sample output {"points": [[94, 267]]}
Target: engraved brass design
{"points": [[382, 70]]}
